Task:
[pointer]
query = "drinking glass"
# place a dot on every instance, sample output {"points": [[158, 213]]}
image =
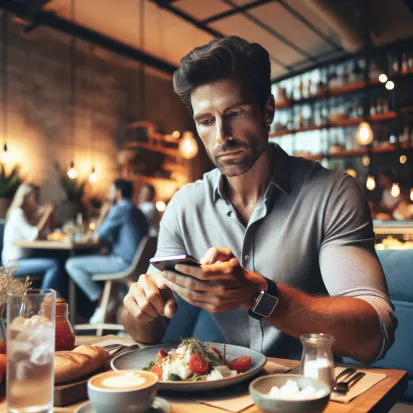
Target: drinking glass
{"points": [[30, 351], [317, 359]]}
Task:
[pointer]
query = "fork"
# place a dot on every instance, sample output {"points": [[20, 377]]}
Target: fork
{"points": [[345, 372], [344, 386]]}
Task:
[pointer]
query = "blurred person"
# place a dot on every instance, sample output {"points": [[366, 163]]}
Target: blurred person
{"points": [[147, 205], [122, 224], [21, 225], [292, 242]]}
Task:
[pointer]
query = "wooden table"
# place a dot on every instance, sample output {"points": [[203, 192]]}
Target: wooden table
{"points": [[71, 247], [379, 398]]}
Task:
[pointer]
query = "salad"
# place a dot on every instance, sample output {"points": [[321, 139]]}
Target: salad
{"points": [[195, 361]]}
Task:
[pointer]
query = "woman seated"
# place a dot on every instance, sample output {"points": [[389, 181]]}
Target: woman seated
{"points": [[21, 225]]}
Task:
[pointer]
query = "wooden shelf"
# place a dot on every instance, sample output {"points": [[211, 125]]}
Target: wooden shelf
{"points": [[345, 122], [154, 148], [358, 152]]}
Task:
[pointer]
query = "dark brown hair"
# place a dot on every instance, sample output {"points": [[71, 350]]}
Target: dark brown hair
{"points": [[228, 57]]}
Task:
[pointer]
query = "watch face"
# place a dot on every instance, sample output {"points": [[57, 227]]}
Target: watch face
{"points": [[265, 305]]}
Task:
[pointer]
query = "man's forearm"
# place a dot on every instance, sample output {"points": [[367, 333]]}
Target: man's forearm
{"points": [[143, 332], [354, 323]]}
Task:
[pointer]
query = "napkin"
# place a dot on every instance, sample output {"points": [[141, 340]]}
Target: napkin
{"points": [[369, 380], [239, 398]]}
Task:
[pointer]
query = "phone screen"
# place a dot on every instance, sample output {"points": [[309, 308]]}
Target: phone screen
{"points": [[168, 263]]}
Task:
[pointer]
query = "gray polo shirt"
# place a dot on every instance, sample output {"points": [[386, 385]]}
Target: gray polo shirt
{"points": [[312, 230]]}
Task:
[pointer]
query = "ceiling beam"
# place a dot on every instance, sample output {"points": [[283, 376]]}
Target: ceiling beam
{"points": [[236, 10], [310, 25], [273, 32], [167, 6], [50, 19]]}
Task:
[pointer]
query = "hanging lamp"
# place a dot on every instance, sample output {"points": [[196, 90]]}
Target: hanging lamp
{"points": [[5, 155], [72, 173], [188, 147]]}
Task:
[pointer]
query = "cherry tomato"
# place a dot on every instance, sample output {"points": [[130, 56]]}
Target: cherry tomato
{"points": [[157, 370], [198, 364], [160, 356], [240, 364]]}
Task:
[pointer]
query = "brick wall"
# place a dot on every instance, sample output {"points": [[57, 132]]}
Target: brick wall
{"points": [[107, 90]]}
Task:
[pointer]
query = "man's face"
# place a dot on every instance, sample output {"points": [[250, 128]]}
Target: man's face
{"points": [[231, 125]]}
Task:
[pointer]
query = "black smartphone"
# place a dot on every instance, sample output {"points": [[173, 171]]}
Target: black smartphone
{"points": [[168, 263]]}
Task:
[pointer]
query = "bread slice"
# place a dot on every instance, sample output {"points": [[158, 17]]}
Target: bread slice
{"points": [[71, 365]]}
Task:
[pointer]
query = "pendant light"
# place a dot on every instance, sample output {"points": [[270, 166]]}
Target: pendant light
{"points": [[93, 176], [411, 194], [371, 183], [395, 190], [188, 146], [364, 133], [72, 173], [5, 156]]}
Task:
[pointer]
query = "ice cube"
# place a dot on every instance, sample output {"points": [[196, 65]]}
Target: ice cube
{"points": [[42, 354]]}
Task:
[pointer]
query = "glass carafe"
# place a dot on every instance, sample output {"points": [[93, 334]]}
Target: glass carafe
{"points": [[317, 359]]}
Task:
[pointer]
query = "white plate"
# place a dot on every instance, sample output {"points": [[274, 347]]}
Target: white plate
{"points": [[137, 359], [159, 405]]}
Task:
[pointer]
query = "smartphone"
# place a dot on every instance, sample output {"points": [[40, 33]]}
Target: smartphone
{"points": [[168, 263]]}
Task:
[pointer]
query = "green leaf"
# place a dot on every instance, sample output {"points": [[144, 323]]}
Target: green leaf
{"points": [[174, 377], [149, 365], [9, 182]]}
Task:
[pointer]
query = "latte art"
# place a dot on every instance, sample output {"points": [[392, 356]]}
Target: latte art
{"points": [[125, 381]]}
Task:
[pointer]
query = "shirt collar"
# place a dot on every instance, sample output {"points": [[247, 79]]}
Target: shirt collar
{"points": [[280, 174]]}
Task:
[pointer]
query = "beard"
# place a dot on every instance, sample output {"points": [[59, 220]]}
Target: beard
{"points": [[243, 162]]}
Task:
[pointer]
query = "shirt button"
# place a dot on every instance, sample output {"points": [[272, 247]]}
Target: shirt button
{"points": [[247, 257]]}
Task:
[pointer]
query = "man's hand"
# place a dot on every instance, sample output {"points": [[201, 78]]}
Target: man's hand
{"points": [[219, 284], [149, 298]]}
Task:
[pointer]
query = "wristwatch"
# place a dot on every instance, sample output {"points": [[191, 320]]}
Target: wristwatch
{"points": [[264, 302]]}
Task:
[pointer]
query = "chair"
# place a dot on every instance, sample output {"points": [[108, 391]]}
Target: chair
{"points": [[146, 250]]}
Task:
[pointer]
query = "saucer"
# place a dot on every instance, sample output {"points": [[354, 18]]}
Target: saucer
{"points": [[159, 405]]}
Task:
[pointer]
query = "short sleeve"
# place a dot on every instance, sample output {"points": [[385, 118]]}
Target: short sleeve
{"points": [[170, 240], [348, 261]]}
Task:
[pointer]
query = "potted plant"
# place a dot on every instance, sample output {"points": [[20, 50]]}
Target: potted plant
{"points": [[74, 190], [9, 182]]}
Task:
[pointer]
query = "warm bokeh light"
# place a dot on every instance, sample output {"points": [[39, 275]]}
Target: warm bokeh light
{"points": [[411, 194], [403, 159], [390, 85], [188, 146], [176, 134], [395, 190], [93, 177], [371, 183], [383, 78], [92, 226], [352, 172], [366, 160], [160, 206], [364, 134], [72, 173], [5, 156]]}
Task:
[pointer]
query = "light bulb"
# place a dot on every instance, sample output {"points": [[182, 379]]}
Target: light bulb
{"points": [[383, 78], [366, 160], [93, 177], [371, 183], [364, 134], [5, 156], [92, 226], [160, 206], [411, 194], [72, 173], [188, 146], [403, 159], [395, 190], [176, 134], [390, 85]]}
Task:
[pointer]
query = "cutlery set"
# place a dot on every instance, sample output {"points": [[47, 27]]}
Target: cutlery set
{"points": [[116, 349], [349, 378]]}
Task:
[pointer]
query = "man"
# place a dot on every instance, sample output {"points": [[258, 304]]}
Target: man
{"points": [[147, 206], [292, 243], [124, 225]]}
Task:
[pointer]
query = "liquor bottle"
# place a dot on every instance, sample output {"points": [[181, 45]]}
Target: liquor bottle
{"points": [[395, 66], [332, 78], [360, 110], [372, 107], [410, 61], [379, 106], [357, 72], [301, 88], [404, 68], [309, 88], [385, 105]]}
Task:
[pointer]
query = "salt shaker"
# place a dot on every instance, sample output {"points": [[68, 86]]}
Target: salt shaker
{"points": [[317, 359]]}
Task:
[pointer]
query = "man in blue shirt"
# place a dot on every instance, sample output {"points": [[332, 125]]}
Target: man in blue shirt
{"points": [[124, 225]]}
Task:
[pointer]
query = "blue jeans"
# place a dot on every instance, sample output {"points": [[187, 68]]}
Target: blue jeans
{"points": [[48, 267], [81, 269]]}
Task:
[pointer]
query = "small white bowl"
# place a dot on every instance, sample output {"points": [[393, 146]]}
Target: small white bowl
{"points": [[260, 389]]}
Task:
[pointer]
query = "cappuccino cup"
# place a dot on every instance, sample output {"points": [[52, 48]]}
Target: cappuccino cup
{"points": [[126, 391]]}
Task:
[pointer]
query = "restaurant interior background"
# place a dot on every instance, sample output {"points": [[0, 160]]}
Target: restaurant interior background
{"points": [[86, 94]]}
